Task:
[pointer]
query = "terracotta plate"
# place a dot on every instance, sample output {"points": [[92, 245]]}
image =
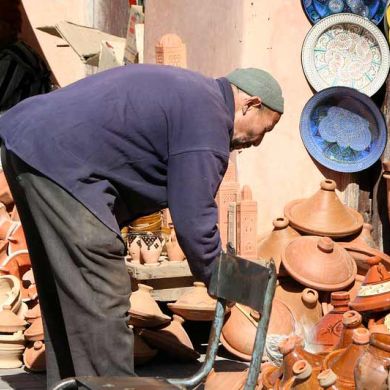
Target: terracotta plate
{"points": [[345, 50]]}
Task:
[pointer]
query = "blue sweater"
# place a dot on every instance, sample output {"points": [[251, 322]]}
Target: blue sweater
{"points": [[133, 140]]}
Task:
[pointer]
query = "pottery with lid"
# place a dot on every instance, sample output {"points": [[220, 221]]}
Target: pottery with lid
{"points": [[195, 304], [172, 339], [351, 320], [239, 330], [9, 321], [372, 368], [35, 331], [142, 352], [374, 293], [319, 263], [144, 310], [323, 214], [272, 245], [343, 361], [34, 357], [33, 313], [11, 356]]}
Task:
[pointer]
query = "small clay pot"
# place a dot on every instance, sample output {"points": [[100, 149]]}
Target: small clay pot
{"points": [[34, 357], [174, 251], [35, 331], [351, 320], [9, 321], [372, 368], [327, 380]]}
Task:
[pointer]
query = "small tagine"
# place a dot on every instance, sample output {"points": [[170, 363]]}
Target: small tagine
{"points": [[35, 331], [319, 263], [323, 214], [195, 304], [272, 245], [374, 293], [172, 339], [34, 357], [144, 310]]}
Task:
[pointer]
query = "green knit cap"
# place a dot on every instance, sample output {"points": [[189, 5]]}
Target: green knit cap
{"points": [[257, 82]]}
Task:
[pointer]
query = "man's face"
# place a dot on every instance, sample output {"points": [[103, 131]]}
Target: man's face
{"points": [[251, 123]]}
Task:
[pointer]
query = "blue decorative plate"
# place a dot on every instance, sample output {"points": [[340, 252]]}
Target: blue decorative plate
{"points": [[343, 129], [319, 9]]}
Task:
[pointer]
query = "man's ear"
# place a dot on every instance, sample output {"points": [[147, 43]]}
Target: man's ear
{"points": [[252, 101]]}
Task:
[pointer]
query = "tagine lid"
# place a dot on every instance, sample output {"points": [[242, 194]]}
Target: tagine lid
{"points": [[9, 321], [323, 213], [374, 293], [319, 263]]}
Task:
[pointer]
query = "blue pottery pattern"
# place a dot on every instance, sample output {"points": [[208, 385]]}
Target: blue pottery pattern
{"points": [[343, 129], [318, 9]]}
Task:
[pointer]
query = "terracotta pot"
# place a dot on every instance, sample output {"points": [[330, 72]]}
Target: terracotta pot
{"points": [[34, 357], [9, 321], [323, 214], [343, 361], [374, 293], [172, 339], [380, 326], [33, 313], [269, 375], [144, 310], [195, 304], [303, 302], [386, 176], [10, 292], [351, 320], [174, 251], [273, 244], [35, 331], [372, 368], [233, 380], [327, 380], [239, 330], [319, 263], [11, 356], [356, 286], [17, 240], [145, 247], [327, 332], [142, 352]]}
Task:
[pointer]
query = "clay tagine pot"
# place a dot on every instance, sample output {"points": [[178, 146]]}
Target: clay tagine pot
{"points": [[142, 352], [272, 245], [35, 331], [174, 251], [351, 320], [327, 332], [363, 247], [195, 304], [9, 321], [323, 214], [172, 339], [144, 310], [239, 330], [374, 293], [372, 368], [233, 380], [380, 326], [34, 357], [343, 361], [319, 263], [33, 313]]}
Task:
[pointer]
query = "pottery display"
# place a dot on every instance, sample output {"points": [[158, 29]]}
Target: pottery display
{"points": [[195, 304], [323, 213], [16, 239], [341, 50], [35, 331], [327, 379], [172, 339], [273, 244], [10, 292], [372, 368], [240, 326], [144, 310], [142, 352], [174, 251], [9, 321], [374, 293], [343, 361], [327, 332], [34, 357], [145, 247], [319, 263], [386, 177]]}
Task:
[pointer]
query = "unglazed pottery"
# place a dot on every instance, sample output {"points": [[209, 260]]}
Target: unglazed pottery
{"points": [[386, 176], [10, 292], [142, 352], [374, 293], [9, 321], [372, 368], [144, 310], [273, 244], [172, 339], [232, 380], [11, 356], [343, 361], [195, 304], [239, 330], [174, 251], [33, 313], [323, 213], [382, 325], [319, 263], [145, 247], [327, 380], [16, 239], [351, 320], [35, 331], [327, 332], [34, 357]]}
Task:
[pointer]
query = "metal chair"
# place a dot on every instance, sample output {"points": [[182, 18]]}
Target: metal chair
{"points": [[249, 282]]}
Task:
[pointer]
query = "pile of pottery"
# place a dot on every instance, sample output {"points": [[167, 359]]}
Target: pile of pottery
{"points": [[331, 311], [151, 240], [156, 331]]}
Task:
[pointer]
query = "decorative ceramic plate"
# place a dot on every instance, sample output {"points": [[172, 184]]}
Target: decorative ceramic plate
{"points": [[346, 50], [319, 9], [343, 129]]}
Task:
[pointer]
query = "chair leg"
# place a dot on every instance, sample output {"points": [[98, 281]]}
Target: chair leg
{"points": [[212, 350], [261, 333], [66, 384]]}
